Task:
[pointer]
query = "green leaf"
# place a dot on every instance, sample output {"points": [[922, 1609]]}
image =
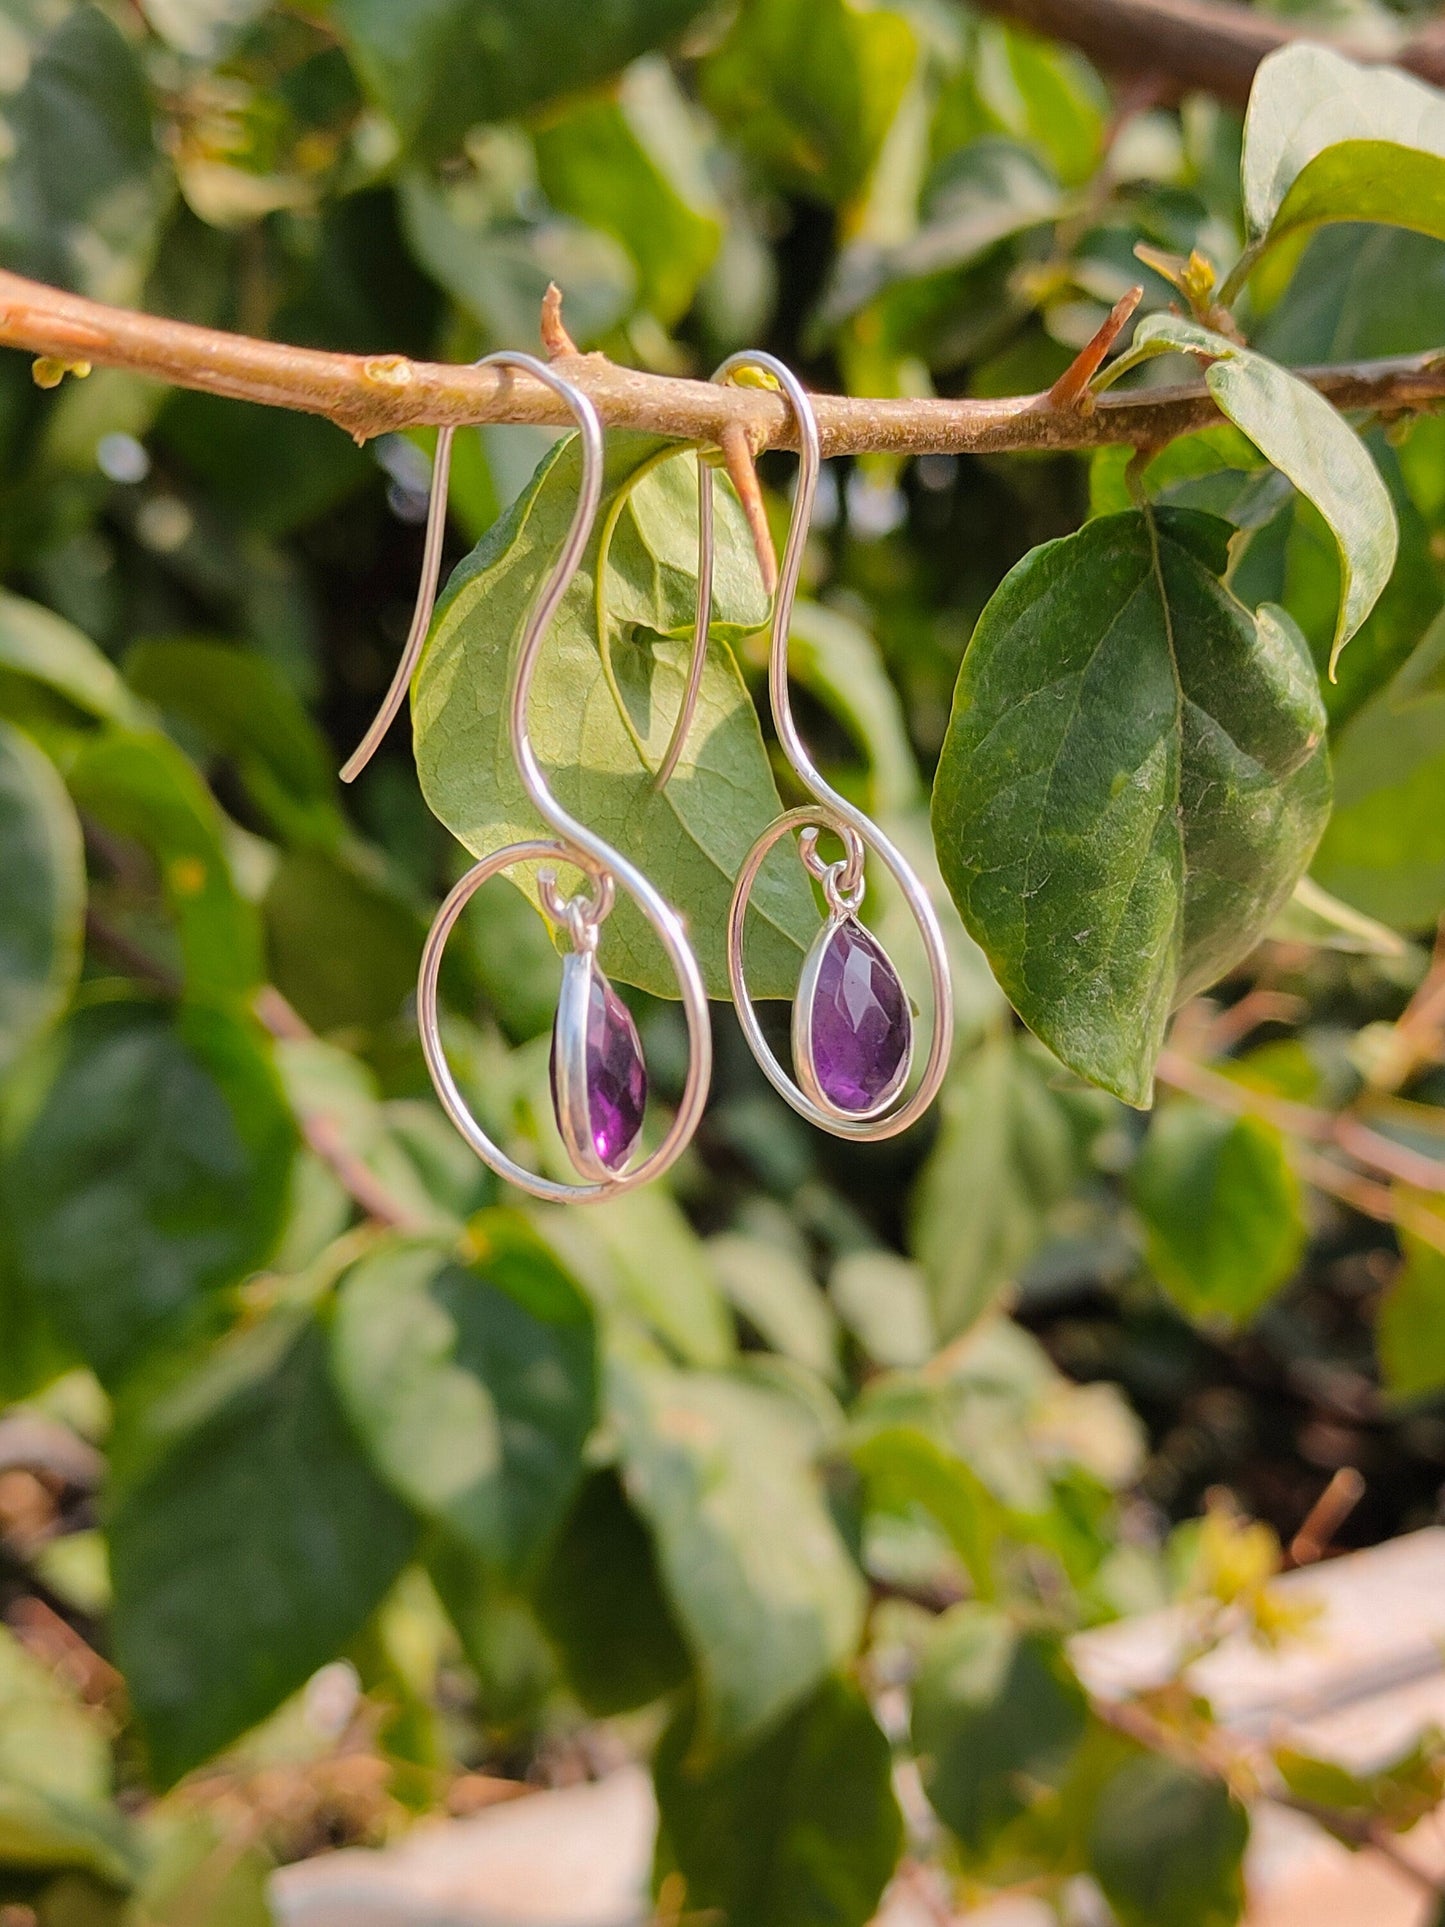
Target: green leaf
{"points": [[472, 1387], [1134, 776], [38, 644], [884, 1302], [55, 1806], [1306, 439], [1166, 1845], [1042, 93], [150, 1173], [144, 788], [763, 1589], [274, 470], [600, 1601], [1384, 849], [982, 194], [42, 895], [82, 186], [1004, 1157], [1326, 139], [803, 1830], [772, 1288], [997, 1717], [633, 164], [1398, 1794], [441, 65], [1410, 1326], [248, 713], [1221, 1207], [904, 1467], [640, 1259], [600, 725], [249, 1541], [810, 92], [343, 943], [500, 271], [1359, 292], [515, 1668]]}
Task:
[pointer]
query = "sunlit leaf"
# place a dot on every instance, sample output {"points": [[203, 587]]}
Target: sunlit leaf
{"points": [[1307, 440], [1133, 779], [473, 1387], [766, 1596], [600, 723], [1222, 1210]]}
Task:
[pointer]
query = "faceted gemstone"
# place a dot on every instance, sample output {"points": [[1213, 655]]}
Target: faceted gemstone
{"points": [[861, 1024], [616, 1074]]}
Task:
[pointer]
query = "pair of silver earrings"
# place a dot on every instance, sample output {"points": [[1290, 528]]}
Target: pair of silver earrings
{"points": [[852, 1027]]}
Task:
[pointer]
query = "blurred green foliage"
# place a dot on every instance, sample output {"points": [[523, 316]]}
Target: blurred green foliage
{"points": [[810, 1462]]}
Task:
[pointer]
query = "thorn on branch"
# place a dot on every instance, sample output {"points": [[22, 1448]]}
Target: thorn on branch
{"points": [[737, 454], [1071, 390], [555, 338]]}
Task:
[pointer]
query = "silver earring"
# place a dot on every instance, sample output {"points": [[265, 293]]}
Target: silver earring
{"points": [[599, 1079], [852, 1031]]}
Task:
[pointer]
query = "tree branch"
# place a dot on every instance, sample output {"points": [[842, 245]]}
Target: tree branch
{"points": [[370, 394], [1209, 44]]}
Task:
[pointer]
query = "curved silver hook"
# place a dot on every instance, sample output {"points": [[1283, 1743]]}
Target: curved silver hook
{"points": [[855, 830], [606, 868], [436, 522]]}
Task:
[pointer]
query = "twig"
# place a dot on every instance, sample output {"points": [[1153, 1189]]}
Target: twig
{"points": [[1325, 1517], [1071, 390], [371, 394], [555, 338], [1209, 44], [324, 1135]]}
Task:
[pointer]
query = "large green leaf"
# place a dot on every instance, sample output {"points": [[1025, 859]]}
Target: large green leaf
{"points": [[1326, 139], [1134, 776], [42, 894], [1359, 291], [249, 1541], [143, 788], [1384, 850], [343, 942], [1166, 1842], [633, 164], [600, 1601], [82, 184], [55, 1806], [1004, 1157], [802, 1830], [810, 92], [437, 66], [472, 1387], [762, 1586], [149, 1173], [1307, 440], [997, 1716], [1222, 1210], [600, 722]]}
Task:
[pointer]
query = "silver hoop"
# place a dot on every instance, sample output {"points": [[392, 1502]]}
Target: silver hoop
{"points": [[574, 844], [601, 1183], [842, 882]]}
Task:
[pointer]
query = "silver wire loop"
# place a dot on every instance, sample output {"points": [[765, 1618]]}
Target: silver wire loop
{"points": [[842, 882], [572, 843]]}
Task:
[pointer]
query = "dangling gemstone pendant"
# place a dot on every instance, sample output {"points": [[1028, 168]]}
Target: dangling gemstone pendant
{"points": [[852, 1027], [599, 1078]]}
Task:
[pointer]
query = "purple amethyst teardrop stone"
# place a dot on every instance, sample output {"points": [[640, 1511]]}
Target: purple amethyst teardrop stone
{"points": [[616, 1074], [861, 1028]]}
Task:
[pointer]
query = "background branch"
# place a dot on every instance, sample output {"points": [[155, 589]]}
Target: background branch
{"points": [[370, 394], [1208, 44]]}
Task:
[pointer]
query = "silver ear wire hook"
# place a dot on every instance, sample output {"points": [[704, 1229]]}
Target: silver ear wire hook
{"points": [[598, 1128], [852, 1030]]}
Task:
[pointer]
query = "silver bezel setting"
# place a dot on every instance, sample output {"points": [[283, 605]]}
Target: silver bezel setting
{"points": [[804, 1067], [569, 1037]]}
